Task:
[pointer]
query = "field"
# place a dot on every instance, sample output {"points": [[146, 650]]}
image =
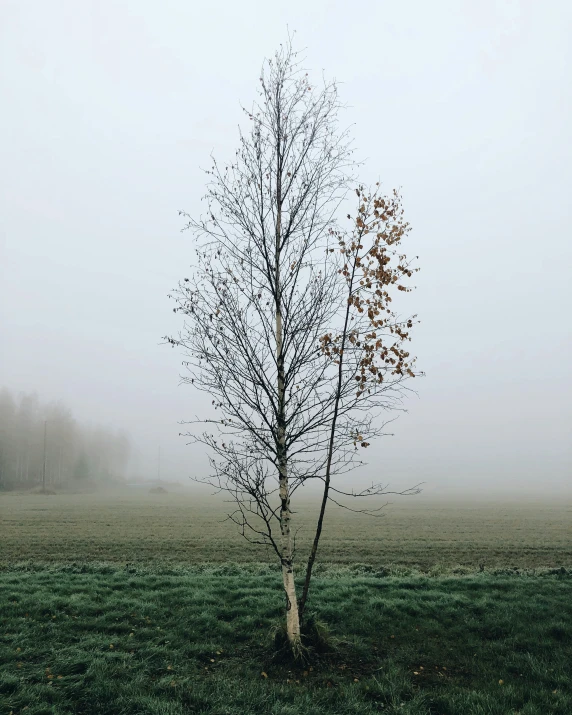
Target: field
{"points": [[137, 527], [131, 603]]}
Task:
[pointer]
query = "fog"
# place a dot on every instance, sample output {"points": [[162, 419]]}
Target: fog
{"points": [[42, 444], [111, 108]]}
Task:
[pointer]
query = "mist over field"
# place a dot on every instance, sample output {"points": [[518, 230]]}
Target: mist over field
{"points": [[285, 358], [110, 110]]}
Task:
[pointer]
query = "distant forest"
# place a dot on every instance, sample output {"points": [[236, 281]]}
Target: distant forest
{"points": [[32, 432]]}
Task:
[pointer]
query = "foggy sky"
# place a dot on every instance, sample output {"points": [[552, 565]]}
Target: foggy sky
{"points": [[110, 108]]}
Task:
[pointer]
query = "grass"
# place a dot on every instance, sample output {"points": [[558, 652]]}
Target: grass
{"points": [[104, 639], [185, 528], [115, 604]]}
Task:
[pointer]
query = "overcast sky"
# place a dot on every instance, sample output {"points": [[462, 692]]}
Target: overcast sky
{"points": [[110, 108]]}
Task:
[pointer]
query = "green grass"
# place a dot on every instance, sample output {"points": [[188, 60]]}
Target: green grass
{"points": [[115, 603], [105, 639], [189, 528]]}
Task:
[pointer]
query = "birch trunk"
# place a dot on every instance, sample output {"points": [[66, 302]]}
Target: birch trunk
{"points": [[292, 614]]}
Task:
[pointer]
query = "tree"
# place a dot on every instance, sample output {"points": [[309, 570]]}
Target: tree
{"points": [[82, 470], [288, 325], [72, 451], [30, 437], [61, 442], [7, 438]]}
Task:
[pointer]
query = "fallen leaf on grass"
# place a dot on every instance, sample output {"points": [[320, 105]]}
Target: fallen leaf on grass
{"points": [[264, 675]]}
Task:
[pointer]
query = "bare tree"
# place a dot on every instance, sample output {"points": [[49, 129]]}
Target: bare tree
{"points": [[287, 324]]}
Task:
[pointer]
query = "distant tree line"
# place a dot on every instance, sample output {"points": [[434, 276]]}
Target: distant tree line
{"points": [[32, 432]]}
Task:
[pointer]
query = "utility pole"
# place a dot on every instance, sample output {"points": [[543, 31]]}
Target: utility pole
{"points": [[44, 469], [159, 465]]}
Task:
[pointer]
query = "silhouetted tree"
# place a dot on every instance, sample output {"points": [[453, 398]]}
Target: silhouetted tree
{"points": [[288, 324]]}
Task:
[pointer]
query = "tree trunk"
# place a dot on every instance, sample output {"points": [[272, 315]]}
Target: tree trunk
{"points": [[328, 474], [292, 615]]}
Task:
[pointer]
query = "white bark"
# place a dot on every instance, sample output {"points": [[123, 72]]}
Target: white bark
{"points": [[292, 615]]}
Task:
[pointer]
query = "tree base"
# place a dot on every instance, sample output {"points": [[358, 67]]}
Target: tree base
{"points": [[315, 640]]}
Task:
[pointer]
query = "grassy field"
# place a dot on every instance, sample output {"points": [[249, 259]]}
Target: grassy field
{"points": [[138, 527], [97, 640], [115, 604]]}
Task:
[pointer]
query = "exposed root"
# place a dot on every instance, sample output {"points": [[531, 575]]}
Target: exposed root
{"points": [[315, 640]]}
